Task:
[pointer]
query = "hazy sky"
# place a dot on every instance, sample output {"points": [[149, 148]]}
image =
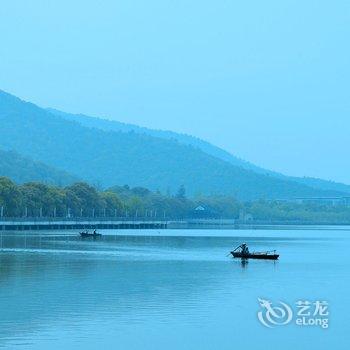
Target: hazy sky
{"points": [[266, 80]]}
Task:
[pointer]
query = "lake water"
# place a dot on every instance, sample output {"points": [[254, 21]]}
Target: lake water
{"points": [[171, 289]]}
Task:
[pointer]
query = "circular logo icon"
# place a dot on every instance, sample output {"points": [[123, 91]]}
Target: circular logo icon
{"points": [[271, 316]]}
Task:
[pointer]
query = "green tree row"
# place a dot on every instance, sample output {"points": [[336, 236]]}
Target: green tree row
{"points": [[83, 200], [35, 199]]}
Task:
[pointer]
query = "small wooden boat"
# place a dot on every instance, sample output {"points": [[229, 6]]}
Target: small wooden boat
{"points": [[244, 253], [87, 235], [255, 255]]}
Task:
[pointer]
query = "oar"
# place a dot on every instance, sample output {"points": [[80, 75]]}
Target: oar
{"points": [[237, 247]]}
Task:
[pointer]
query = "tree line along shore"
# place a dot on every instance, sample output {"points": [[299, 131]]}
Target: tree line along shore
{"points": [[36, 199]]}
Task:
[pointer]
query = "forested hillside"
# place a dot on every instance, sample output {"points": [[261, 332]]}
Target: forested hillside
{"points": [[107, 158], [109, 125], [23, 169], [112, 125]]}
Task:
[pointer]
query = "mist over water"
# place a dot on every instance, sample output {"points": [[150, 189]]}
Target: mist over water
{"points": [[173, 289]]}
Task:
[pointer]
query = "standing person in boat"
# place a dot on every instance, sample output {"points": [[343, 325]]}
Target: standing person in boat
{"points": [[245, 249]]}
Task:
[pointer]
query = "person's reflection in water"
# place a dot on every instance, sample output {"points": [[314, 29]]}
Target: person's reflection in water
{"points": [[244, 263]]}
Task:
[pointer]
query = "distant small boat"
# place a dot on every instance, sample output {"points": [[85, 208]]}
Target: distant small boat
{"points": [[87, 234], [244, 253]]}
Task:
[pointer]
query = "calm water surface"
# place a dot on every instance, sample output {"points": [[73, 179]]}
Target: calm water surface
{"points": [[171, 289]]}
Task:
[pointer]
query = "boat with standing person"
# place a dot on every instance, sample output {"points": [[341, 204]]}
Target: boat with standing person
{"points": [[242, 252], [86, 234]]}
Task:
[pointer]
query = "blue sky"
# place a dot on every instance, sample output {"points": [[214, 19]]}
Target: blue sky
{"points": [[266, 80]]}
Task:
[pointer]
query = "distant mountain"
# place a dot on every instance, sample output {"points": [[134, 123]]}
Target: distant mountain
{"points": [[109, 125], [322, 184], [108, 158], [112, 125], [23, 169]]}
